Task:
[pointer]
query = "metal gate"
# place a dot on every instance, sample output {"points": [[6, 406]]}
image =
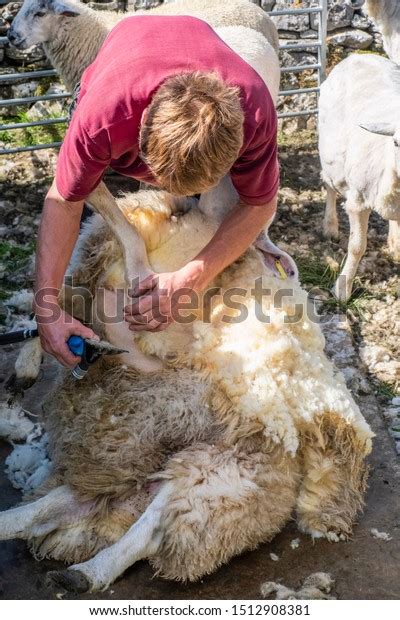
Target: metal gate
{"points": [[321, 10]]}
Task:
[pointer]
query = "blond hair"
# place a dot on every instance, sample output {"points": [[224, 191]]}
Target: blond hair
{"points": [[193, 132]]}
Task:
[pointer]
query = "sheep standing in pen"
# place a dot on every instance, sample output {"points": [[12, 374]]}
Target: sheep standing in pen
{"points": [[386, 15], [201, 441], [359, 146]]}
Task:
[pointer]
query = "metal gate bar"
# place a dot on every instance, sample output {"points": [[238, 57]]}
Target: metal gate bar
{"points": [[320, 66], [320, 45]]}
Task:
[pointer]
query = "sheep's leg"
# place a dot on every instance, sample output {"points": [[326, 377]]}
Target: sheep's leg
{"points": [[26, 367], [141, 541], [223, 501], [394, 239], [356, 250], [214, 504], [219, 201], [334, 480], [331, 223], [108, 304], [132, 245], [42, 515]]}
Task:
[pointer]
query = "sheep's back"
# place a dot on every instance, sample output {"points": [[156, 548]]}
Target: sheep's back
{"points": [[240, 13]]}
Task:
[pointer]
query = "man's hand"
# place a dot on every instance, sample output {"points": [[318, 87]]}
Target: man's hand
{"points": [[54, 336], [159, 296]]}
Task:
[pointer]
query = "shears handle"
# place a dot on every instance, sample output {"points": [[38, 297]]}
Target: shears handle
{"points": [[77, 346]]}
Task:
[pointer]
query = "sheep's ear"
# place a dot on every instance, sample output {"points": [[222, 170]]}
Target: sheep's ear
{"points": [[383, 129], [64, 9]]}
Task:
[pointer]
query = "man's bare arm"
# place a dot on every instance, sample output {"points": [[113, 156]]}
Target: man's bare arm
{"points": [[59, 229]]}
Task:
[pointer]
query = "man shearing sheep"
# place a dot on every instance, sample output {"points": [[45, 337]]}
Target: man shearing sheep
{"points": [[167, 102]]}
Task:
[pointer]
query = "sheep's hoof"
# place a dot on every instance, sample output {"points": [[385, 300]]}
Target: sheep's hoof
{"points": [[331, 233], [70, 580]]}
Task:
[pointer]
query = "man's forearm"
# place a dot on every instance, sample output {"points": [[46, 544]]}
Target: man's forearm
{"points": [[58, 233], [236, 233]]}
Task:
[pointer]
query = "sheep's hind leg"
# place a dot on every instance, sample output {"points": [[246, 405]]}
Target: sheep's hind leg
{"points": [[141, 541], [331, 224], [40, 516], [394, 239], [214, 504], [356, 250], [223, 501]]}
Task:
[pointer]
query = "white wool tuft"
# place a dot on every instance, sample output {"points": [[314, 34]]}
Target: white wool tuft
{"points": [[380, 535], [15, 425], [276, 371], [316, 586], [21, 301], [28, 465], [23, 323]]}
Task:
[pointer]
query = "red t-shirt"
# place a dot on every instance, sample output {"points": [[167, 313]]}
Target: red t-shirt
{"points": [[136, 58]]}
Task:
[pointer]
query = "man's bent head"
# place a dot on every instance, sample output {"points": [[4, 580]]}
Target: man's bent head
{"points": [[192, 133]]}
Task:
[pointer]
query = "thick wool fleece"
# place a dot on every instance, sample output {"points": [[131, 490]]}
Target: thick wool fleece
{"points": [[246, 421], [272, 374]]}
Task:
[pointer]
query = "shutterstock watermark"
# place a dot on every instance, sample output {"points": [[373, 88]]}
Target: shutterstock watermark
{"points": [[184, 306]]}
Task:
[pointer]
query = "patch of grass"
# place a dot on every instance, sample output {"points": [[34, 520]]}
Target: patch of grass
{"points": [[386, 390], [44, 86], [31, 135], [14, 257], [315, 273], [369, 52]]}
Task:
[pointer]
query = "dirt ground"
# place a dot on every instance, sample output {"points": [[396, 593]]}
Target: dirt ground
{"points": [[362, 337]]}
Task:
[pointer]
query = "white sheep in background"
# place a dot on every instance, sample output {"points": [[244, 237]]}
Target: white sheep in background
{"points": [[386, 15], [238, 423], [359, 146]]}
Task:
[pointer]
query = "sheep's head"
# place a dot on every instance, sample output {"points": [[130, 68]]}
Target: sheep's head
{"points": [[37, 21]]}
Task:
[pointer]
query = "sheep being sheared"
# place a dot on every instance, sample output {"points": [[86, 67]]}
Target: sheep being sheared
{"points": [[201, 441], [359, 139]]}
